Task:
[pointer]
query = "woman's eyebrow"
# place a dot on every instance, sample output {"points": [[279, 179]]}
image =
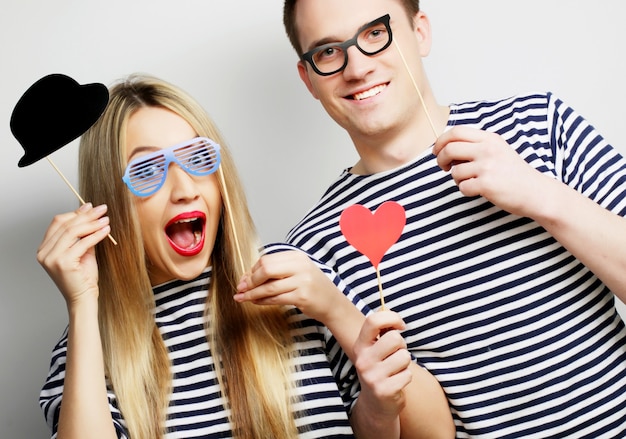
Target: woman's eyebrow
{"points": [[142, 149]]}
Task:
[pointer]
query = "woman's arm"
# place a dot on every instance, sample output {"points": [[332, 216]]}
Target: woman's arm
{"points": [[67, 255], [394, 390]]}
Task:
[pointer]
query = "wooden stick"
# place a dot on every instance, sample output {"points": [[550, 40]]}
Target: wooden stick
{"points": [[73, 190], [380, 290], [432, 126], [230, 218]]}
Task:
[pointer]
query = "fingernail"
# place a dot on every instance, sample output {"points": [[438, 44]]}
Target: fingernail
{"points": [[85, 207]]}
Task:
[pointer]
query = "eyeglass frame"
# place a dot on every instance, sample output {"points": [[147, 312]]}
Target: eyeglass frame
{"points": [[354, 41], [169, 155]]}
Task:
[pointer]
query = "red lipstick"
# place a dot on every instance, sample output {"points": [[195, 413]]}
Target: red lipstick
{"points": [[186, 233]]}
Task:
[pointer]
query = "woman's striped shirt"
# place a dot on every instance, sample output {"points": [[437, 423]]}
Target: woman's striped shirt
{"points": [[524, 339], [196, 408]]}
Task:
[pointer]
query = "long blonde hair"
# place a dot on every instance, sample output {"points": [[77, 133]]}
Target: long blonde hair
{"points": [[251, 344]]}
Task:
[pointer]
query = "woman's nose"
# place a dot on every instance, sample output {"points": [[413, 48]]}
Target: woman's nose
{"points": [[182, 185]]}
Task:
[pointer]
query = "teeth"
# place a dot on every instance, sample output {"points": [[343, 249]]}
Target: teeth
{"points": [[369, 93], [188, 220]]}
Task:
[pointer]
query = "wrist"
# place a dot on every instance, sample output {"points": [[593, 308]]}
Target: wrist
{"points": [[86, 305], [371, 422]]}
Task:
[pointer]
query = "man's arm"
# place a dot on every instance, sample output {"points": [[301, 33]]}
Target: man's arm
{"points": [[482, 163]]}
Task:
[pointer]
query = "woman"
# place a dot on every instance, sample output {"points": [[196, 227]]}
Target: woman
{"points": [[112, 303], [160, 342]]}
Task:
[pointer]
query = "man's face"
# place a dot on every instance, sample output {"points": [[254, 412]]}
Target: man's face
{"points": [[373, 95]]}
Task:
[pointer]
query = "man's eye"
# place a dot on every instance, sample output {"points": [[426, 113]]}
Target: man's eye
{"points": [[327, 54], [330, 51], [375, 33]]}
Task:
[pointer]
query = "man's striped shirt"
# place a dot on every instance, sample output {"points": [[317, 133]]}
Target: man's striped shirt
{"points": [[524, 339]]}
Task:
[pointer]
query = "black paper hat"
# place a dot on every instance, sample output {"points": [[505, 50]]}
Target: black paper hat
{"points": [[54, 111]]}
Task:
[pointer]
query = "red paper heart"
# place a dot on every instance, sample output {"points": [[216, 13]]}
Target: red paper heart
{"points": [[372, 234]]}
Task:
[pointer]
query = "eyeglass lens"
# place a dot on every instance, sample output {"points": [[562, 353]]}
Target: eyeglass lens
{"points": [[371, 39]]}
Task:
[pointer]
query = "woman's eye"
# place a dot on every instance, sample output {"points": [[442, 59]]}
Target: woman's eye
{"points": [[148, 171], [199, 159]]}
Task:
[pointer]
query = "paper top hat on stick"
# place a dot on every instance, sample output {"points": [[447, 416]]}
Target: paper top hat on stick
{"points": [[54, 111]]}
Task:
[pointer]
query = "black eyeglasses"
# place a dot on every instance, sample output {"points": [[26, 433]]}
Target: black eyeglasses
{"points": [[370, 39]]}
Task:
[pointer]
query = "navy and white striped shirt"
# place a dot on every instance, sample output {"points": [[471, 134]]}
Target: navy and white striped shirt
{"points": [[524, 339], [196, 408]]}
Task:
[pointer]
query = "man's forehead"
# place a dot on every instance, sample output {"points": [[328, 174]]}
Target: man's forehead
{"points": [[334, 20]]}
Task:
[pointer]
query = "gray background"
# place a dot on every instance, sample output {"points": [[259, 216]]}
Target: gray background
{"points": [[234, 57]]}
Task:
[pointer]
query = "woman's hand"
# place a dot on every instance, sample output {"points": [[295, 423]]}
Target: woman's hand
{"points": [[292, 278], [67, 251]]}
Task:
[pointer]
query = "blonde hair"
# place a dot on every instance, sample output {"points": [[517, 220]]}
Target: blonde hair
{"points": [[251, 344]]}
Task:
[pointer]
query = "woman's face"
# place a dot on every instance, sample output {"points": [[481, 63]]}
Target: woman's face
{"points": [[179, 222]]}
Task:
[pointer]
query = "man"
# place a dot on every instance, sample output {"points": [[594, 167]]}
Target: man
{"points": [[515, 238]]}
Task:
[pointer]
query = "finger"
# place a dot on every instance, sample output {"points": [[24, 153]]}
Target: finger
{"points": [[458, 134], [87, 221], [272, 266], [455, 153], [388, 345], [375, 371], [377, 322], [67, 229], [278, 266], [60, 221], [271, 289], [74, 243], [398, 361], [464, 171], [93, 236], [397, 382]]}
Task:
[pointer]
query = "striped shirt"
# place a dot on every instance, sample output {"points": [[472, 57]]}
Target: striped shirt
{"points": [[196, 408], [523, 338]]}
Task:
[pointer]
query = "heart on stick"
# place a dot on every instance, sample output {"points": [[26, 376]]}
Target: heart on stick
{"points": [[372, 234]]}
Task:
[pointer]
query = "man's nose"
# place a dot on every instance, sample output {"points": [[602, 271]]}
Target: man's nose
{"points": [[359, 64]]}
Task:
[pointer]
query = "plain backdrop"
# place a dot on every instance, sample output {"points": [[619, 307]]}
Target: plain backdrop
{"points": [[234, 58]]}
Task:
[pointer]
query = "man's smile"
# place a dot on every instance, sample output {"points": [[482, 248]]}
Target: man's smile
{"points": [[368, 93]]}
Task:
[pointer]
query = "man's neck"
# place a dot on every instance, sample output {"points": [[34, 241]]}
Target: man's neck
{"points": [[391, 150]]}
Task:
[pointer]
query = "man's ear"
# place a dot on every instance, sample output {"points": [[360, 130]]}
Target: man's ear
{"points": [[421, 27], [304, 75]]}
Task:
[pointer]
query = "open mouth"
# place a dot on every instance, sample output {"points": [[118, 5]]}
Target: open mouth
{"points": [[185, 233], [367, 93]]}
